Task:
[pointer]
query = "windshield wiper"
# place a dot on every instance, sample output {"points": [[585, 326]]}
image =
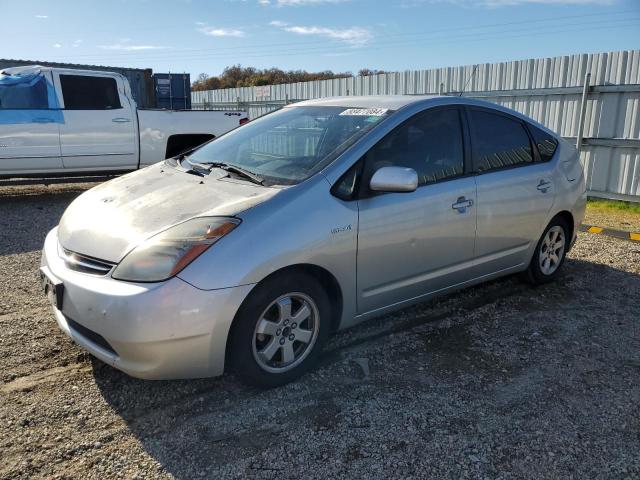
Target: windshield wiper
{"points": [[241, 172]]}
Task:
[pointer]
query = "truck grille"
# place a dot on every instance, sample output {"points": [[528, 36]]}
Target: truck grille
{"points": [[82, 263]]}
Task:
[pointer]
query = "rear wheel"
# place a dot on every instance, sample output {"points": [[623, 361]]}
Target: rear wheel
{"points": [[549, 254], [279, 330]]}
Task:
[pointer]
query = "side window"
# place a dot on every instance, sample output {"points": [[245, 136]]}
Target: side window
{"points": [[30, 93], [546, 143], [430, 143], [498, 141], [81, 92]]}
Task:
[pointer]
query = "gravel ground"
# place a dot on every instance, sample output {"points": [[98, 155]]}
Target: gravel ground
{"points": [[498, 381]]}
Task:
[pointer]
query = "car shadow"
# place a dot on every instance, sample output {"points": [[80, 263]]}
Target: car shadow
{"points": [[209, 427]]}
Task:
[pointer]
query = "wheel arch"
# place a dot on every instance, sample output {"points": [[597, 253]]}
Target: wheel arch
{"points": [[567, 217], [181, 142], [326, 279]]}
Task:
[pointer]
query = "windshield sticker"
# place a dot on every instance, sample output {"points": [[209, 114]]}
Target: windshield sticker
{"points": [[366, 112]]}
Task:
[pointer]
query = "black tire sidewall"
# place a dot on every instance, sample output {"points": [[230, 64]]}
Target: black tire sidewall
{"points": [[534, 273], [240, 353]]}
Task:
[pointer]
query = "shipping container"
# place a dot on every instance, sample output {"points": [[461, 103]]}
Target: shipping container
{"points": [[172, 91]]}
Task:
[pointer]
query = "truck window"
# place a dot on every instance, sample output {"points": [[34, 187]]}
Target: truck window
{"points": [[17, 93], [81, 92]]}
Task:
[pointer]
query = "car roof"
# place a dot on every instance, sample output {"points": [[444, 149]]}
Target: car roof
{"points": [[35, 69], [392, 102], [396, 102]]}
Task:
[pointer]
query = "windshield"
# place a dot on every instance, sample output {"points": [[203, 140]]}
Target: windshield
{"points": [[288, 146]]}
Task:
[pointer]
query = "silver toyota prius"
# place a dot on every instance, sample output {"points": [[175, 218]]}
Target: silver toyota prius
{"points": [[247, 253]]}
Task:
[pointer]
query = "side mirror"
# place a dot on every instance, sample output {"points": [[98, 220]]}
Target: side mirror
{"points": [[394, 179]]}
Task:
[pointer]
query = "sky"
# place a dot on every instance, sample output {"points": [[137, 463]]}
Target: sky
{"points": [[198, 36]]}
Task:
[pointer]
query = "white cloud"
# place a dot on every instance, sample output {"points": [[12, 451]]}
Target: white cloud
{"points": [[76, 43], [353, 36], [502, 3], [221, 32], [505, 3], [264, 2], [41, 16], [57, 45], [129, 47], [283, 3]]}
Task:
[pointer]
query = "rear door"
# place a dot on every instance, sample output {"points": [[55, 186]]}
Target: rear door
{"points": [[99, 129], [29, 125], [515, 190], [412, 244]]}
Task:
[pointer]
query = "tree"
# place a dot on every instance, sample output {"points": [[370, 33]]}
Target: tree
{"points": [[365, 72], [239, 76]]}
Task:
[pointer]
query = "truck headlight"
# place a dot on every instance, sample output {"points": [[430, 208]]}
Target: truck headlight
{"points": [[169, 252]]}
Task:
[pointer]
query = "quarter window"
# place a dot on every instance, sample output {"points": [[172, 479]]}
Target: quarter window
{"points": [[82, 92], [430, 143], [498, 142], [546, 143]]}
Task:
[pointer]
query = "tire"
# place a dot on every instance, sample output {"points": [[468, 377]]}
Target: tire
{"points": [[549, 254], [263, 347]]}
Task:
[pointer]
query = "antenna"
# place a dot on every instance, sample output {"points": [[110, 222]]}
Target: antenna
{"points": [[475, 67]]}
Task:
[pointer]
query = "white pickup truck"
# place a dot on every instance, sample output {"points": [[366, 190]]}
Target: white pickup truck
{"points": [[56, 121]]}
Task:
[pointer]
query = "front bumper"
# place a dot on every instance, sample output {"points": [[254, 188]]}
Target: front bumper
{"points": [[163, 330]]}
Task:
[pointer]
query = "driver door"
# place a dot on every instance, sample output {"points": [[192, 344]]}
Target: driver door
{"points": [[413, 244]]}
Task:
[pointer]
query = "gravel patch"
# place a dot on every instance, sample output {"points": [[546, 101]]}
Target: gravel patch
{"points": [[497, 381]]}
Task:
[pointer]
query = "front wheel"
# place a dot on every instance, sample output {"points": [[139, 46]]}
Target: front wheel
{"points": [[279, 330], [549, 254]]}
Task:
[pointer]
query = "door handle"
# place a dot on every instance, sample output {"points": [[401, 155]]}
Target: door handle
{"points": [[43, 120], [544, 186], [121, 120], [462, 204]]}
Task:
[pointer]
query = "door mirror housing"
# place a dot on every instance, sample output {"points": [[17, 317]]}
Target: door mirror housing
{"points": [[394, 179]]}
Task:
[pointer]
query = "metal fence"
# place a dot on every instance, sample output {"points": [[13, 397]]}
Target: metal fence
{"points": [[551, 90]]}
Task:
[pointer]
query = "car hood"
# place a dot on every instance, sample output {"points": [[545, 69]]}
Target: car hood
{"points": [[109, 220]]}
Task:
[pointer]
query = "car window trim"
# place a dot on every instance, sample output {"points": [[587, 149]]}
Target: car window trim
{"points": [[534, 150]]}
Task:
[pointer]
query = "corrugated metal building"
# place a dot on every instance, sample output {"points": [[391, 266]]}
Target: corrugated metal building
{"points": [[140, 79], [548, 89]]}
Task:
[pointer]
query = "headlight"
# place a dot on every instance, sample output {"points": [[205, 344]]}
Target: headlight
{"points": [[167, 253]]}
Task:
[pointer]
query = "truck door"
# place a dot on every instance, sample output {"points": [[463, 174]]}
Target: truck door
{"points": [[29, 121], [99, 131]]}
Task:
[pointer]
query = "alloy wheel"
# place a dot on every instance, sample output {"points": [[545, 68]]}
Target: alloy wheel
{"points": [[286, 332], [552, 250]]}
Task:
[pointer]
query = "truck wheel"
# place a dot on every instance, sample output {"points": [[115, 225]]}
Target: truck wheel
{"points": [[279, 331]]}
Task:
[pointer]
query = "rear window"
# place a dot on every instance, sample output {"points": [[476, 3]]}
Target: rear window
{"points": [[498, 142], [546, 143], [82, 92], [17, 93]]}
